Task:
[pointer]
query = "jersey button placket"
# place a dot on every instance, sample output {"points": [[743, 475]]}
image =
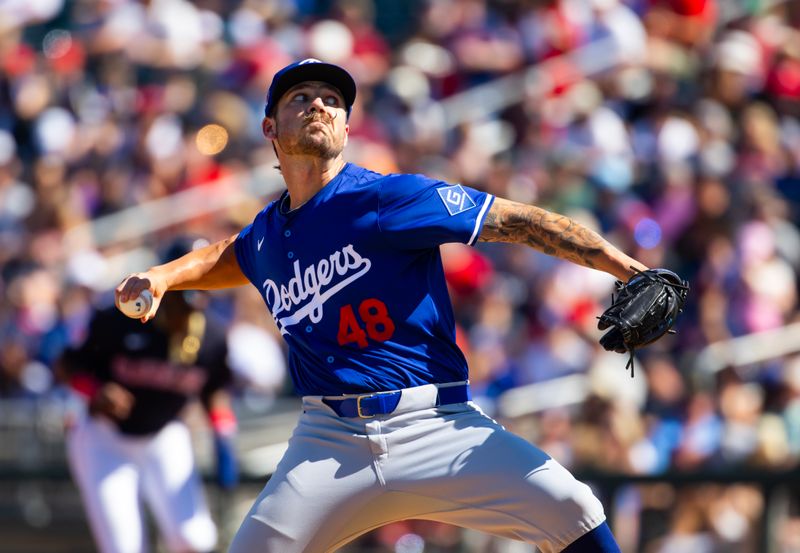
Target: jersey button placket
{"points": [[286, 234]]}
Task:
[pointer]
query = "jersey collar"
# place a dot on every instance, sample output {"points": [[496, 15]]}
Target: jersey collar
{"points": [[321, 195]]}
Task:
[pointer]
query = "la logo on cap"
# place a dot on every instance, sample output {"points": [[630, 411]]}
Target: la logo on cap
{"points": [[309, 60]]}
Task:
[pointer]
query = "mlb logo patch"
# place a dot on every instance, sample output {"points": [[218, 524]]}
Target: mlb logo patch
{"points": [[455, 199]]}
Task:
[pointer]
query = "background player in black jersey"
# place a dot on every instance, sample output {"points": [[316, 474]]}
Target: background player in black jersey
{"points": [[132, 444]]}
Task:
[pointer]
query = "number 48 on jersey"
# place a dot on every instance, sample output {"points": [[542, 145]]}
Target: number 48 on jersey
{"points": [[373, 321]]}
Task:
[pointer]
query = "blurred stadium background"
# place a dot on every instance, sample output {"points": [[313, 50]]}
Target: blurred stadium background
{"points": [[671, 126]]}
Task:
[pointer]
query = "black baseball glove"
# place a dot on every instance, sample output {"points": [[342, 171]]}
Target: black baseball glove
{"points": [[642, 311]]}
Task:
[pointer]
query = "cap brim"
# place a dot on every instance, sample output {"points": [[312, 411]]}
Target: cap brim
{"points": [[324, 72]]}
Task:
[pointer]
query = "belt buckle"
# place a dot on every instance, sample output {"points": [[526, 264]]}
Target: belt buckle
{"points": [[358, 406]]}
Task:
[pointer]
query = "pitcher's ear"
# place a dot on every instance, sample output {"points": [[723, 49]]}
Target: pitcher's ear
{"points": [[268, 128]]}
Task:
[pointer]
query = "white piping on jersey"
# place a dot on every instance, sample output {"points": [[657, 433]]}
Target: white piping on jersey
{"points": [[310, 282], [479, 218]]}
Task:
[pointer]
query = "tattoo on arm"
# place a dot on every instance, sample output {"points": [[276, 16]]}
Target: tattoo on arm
{"points": [[543, 230]]}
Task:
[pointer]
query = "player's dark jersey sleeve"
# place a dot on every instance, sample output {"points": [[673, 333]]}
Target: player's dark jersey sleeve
{"points": [[416, 212], [94, 354], [215, 359]]}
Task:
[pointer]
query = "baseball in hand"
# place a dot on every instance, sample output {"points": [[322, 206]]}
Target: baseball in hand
{"points": [[137, 307]]}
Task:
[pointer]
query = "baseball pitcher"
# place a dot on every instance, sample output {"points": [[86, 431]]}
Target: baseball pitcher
{"points": [[347, 262]]}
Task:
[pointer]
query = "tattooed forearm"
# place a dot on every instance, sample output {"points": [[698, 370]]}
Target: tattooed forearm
{"points": [[546, 231]]}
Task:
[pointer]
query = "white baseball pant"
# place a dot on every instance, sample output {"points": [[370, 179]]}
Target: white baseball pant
{"points": [[342, 477], [113, 470]]}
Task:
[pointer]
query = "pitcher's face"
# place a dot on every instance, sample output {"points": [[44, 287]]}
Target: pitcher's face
{"points": [[310, 119]]}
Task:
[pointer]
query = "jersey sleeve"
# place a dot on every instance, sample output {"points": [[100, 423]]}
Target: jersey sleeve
{"points": [[246, 246], [416, 212], [93, 356], [216, 361]]}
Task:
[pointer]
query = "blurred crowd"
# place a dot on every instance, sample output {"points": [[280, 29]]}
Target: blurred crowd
{"points": [[682, 148]]}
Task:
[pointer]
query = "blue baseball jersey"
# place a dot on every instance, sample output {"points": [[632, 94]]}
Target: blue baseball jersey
{"points": [[354, 279]]}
